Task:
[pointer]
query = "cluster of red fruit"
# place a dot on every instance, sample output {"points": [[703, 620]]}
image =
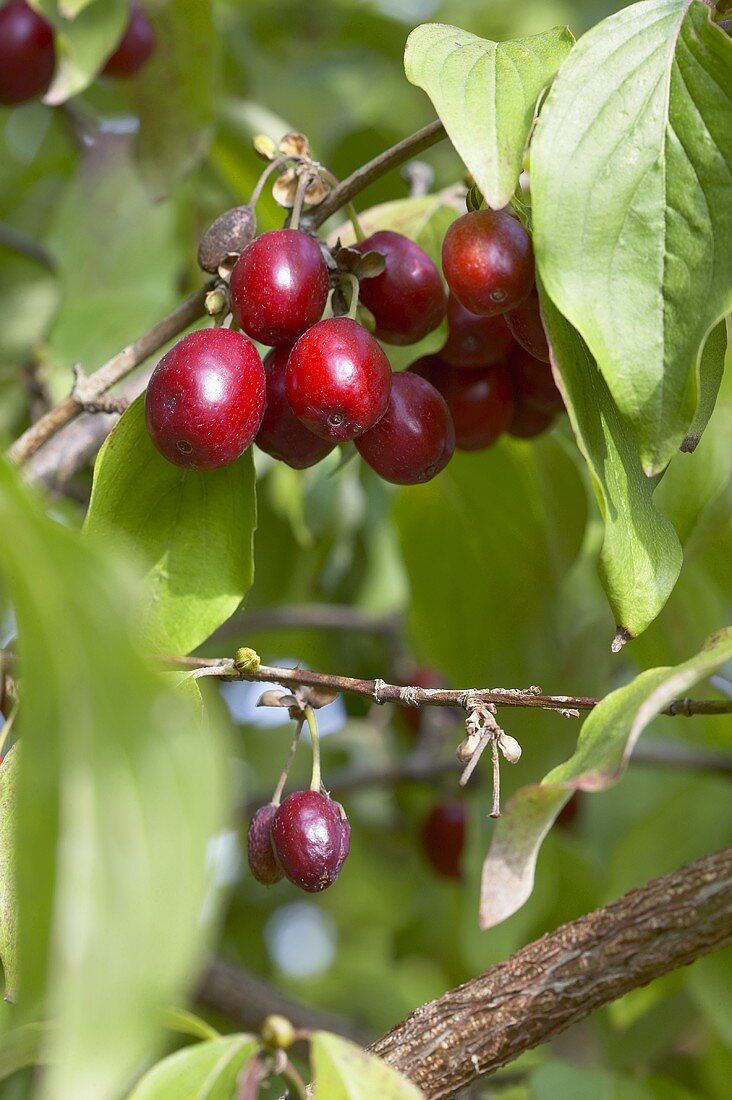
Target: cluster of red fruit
{"points": [[28, 54], [306, 839], [329, 381]]}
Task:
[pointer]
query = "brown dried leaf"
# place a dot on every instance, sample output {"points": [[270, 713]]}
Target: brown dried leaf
{"points": [[372, 264], [295, 145], [285, 188], [316, 191], [274, 698]]}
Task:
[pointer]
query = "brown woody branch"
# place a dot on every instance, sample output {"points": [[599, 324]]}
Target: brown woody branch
{"points": [[380, 692], [192, 308], [560, 979]]}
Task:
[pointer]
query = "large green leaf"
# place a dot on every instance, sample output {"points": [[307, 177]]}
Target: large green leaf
{"points": [[605, 745], [640, 558], [205, 1071], [86, 34], [631, 168], [174, 95], [193, 530], [22, 1047], [486, 95], [8, 893], [119, 792], [711, 371], [118, 257], [344, 1071]]}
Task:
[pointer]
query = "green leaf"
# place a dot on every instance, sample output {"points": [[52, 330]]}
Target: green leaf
{"points": [[22, 1047], [486, 95], [193, 530], [118, 257], [632, 206], [711, 370], [640, 558], [84, 40], [187, 1023], [119, 793], [206, 1071], [710, 983], [8, 891], [571, 1082], [344, 1071], [605, 744], [174, 95]]}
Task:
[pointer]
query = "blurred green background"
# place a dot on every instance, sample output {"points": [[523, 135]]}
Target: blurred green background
{"points": [[491, 568]]}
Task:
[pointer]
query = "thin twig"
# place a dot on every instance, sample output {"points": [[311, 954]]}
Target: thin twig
{"points": [[381, 692]]}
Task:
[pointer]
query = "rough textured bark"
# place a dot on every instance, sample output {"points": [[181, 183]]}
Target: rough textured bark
{"points": [[563, 977]]}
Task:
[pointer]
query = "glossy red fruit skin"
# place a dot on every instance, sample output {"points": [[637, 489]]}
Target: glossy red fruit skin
{"points": [[338, 379], [205, 399], [480, 401], [281, 434], [472, 340], [408, 299], [488, 261], [534, 381], [311, 838], [27, 53], [135, 48], [527, 421], [527, 328], [262, 862], [415, 438], [279, 286], [443, 837]]}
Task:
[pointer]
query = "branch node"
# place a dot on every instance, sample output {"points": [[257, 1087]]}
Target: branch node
{"points": [[86, 397], [377, 689], [408, 696]]}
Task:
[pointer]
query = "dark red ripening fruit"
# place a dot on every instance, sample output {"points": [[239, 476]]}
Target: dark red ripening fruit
{"points": [[27, 54], [279, 286], [262, 862], [338, 379], [443, 837], [472, 340], [415, 437], [424, 676], [569, 813], [311, 837], [488, 261], [281, 434], [527, 421], [480, 401], [527, 327], [408, 299], [205, 400], [534, 381], [136, 46]]}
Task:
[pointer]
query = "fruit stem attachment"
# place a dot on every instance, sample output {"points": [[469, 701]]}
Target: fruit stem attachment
{"points": [[312, 721], [273, 166], [496, 806], [277, 794], [349, 277], [294, 1082], [303, 183]]}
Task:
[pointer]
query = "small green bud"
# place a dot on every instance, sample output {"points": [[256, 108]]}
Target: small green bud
{"points": [[277, 1033], [247, 660]]}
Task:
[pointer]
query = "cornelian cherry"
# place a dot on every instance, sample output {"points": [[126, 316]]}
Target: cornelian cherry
{"points": [[527, 421], [443, 837], [310, 839], [408, 299], [488, 261], [279, 286], [480, 400], [260, 854], [135, 47], [527, 327], [205, 399], [27, 53], [472, 340], [281, 434], [415, 438], [534, 380], [338, 379]]}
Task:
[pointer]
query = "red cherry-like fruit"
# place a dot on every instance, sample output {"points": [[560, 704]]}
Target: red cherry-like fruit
{"points": [[205, 399], [281, 434], [338, 379], [279, 286], [27, 54], [415, 437], [311, 838], [488, 261], [534, 381], [480, 401], [135, 47], [527, 421], [443, 837], [408, 299], [527, 327], [262, 862], [472, 340]]}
